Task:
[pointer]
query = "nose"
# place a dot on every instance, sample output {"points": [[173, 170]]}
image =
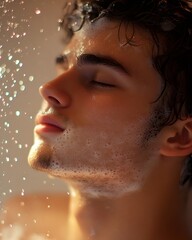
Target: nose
{"points": [[54, 95]]}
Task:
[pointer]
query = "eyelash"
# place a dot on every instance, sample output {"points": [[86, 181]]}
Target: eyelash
{"points": [[101, 84], [95, 78]]}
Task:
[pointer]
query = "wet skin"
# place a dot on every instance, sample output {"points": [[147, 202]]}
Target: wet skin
{"points": [[90, 132], [103, 101]]}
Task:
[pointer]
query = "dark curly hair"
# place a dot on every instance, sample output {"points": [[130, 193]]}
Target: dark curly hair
{"points": [[168, 19]]}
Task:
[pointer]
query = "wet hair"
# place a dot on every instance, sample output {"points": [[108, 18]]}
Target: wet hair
{"points": [[170, 20]]}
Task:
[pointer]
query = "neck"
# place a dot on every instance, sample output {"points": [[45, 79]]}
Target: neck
{"points": [[156, 211], [135, 216]]}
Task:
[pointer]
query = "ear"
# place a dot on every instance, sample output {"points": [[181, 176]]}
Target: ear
{"points": [[177, 139]]}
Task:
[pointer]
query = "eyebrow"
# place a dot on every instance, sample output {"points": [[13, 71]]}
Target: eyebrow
{"points": [[93, 59]]}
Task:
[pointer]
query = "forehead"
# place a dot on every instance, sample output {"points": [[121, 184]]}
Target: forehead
{"points": [[109, 37]]}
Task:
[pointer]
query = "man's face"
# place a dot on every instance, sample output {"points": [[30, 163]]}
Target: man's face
{"points": [[102, 104]]}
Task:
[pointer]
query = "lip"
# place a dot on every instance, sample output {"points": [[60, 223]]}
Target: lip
{"points": [[47, 124]]}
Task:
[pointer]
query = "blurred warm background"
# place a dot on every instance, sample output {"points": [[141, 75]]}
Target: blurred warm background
{"points": [[29, 42]]}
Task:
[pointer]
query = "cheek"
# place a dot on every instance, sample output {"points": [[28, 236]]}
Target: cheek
{"points": [[104, 130], [111, 111], [103, 142]]}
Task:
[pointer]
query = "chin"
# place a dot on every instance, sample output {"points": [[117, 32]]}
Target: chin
{"points": [[39, 156]]}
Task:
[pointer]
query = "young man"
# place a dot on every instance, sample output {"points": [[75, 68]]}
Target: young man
{"points": [[116, 126]]}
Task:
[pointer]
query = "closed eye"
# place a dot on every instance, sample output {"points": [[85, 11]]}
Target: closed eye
{"points": [[101, 84]]}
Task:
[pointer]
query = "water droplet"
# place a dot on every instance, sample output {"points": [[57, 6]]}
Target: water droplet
{"points": [[2, 222], [31, 78], [37, 11], [18, 113], [22, 88], [22, 192]]}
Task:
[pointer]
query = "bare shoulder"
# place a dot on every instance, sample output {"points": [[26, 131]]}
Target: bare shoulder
{"points": [[38, 214]]}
